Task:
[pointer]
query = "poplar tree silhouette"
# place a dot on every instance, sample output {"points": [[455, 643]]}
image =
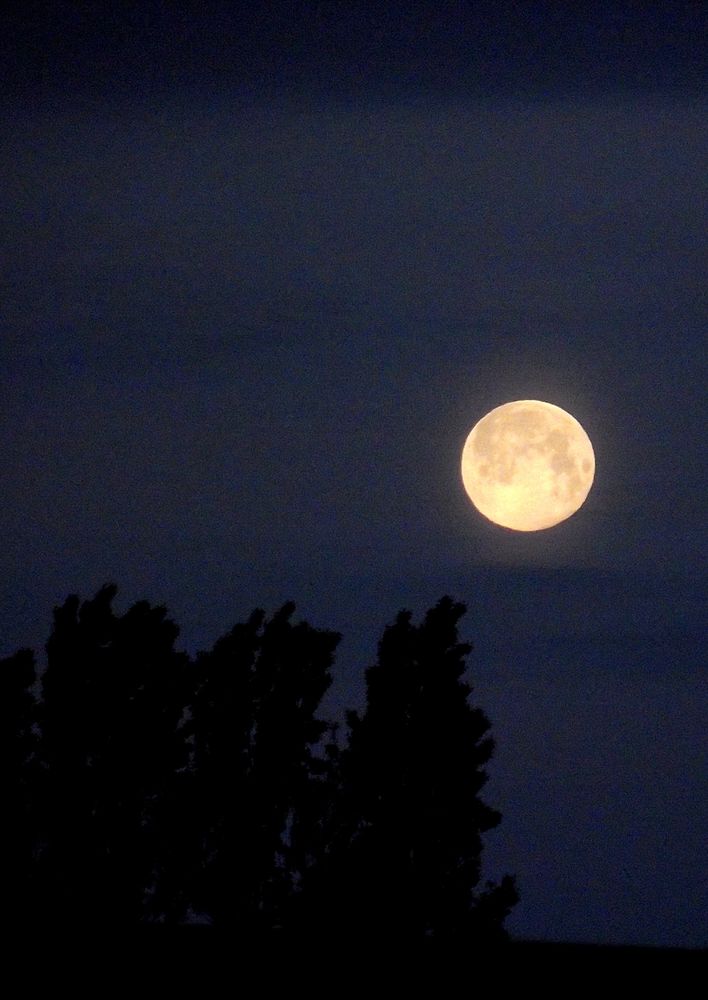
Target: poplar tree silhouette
{"points": [[19, 779], [112, 703], [255, 730], [146, 786], [404, 854]]}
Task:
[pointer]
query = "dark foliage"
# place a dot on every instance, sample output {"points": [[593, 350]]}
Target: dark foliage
{"points": [[404, 855], [20, 778], [148, 788], [110, 716], [254, 771]]}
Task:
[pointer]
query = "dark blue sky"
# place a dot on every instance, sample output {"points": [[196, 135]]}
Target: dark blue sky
{"points": [[261, 273]]}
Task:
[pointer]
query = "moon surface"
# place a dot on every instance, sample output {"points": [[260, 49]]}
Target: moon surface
{"points": [[527, 465]]}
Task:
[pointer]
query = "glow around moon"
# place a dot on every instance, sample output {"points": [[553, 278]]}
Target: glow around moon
{"points": [[527, 465]]}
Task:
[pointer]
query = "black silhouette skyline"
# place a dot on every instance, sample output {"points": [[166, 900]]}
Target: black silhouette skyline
{"points": [[145, 788], [262, 272]]}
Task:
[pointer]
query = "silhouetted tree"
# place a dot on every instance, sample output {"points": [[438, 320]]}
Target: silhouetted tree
{"points": [[404, 856], [19, 779], [255, 770], [161, 785], [112, 704]]}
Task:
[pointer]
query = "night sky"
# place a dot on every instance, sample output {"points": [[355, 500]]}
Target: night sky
{"points": [[263, 269]]}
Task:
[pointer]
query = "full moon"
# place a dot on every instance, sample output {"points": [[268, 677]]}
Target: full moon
{"points": [[527, 465]]}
